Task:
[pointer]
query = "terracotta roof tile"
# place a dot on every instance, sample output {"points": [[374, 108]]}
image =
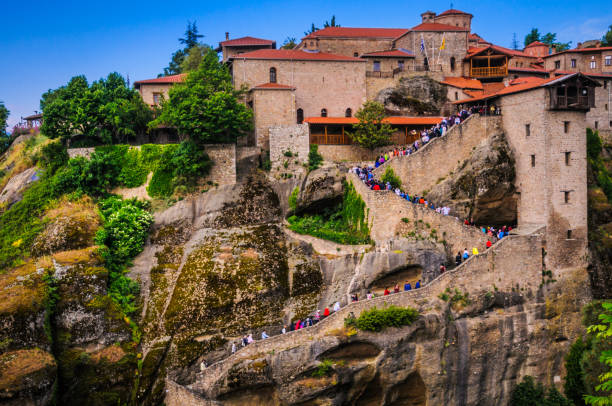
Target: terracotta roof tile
{"points": [[162, 80], [534, 70], [531, 83], [290, 54], [536, 44], [453, 11], [463, 83], [246, 41], [394, 120], [350, 32], [391, 53], [492, 87], [273, 86], [437, 27]]}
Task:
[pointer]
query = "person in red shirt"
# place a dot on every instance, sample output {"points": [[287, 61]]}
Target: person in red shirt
{"points": [[386, 292], [326, 312], [396, 288], [489, 244], [442, 269], [376, 187]]}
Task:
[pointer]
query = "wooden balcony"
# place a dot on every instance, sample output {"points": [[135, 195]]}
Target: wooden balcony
{"points": [[489, 72]]}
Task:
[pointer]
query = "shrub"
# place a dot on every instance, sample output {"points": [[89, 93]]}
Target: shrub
{"points": [[377, 319], [293, 198], [528, 393], [389, 176], [325, 368], [133, 171], [53, 156], [594, 144], [574, 378], [314, 158], [288, 153]]}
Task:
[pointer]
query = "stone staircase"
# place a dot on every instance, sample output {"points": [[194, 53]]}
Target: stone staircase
{"points": [[517, 256]]}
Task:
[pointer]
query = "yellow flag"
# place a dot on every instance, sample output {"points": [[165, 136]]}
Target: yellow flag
{"points": [[443, 44]]}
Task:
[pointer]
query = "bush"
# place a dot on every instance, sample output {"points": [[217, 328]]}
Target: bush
{"points": [[133, 172], [574, 378], [392, 316], [528, 393], [389, 176], [314, 158], [293, 198], [53, 156], [594, 144], [325, 368]]}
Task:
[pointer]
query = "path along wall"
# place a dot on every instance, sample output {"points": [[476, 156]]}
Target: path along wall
{"points": [[422, 170], [386, 210], [222, 172], [512, 264]]}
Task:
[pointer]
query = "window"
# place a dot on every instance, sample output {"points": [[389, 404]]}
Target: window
{"points": [[300, 116], [569, 234], [606, 106], [566, 196], [348, 113], [376, 66], [605, 84], [596, 124], [608, 60], [610, 124], [272, 75], [568, 157], [157, 98], [557, 64], [426, 63], [573, 63], [323, 112], [566, 126], [456, 95], [452, 63], [593, 64], [527, 130], [356, 54], [311, 44], [533, 160], [400, 65]]}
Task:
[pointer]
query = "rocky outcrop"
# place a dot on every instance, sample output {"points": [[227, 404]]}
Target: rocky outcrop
{"points": [[482, 186], [320, 189], [416, 95], [27, 378], [13, 190]]}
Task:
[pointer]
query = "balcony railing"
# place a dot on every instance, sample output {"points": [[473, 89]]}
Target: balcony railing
{"points": [[489, 71]]}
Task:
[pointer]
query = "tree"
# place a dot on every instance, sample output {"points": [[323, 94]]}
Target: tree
{"points": [[107, 111], [290, 43], [606, 40], [194, 58], [205, 105], [371, 131], [574, 378], [603, 333], [4, 114], [529, 393], [331, 23], [533, 36], [311, 30], [191, 40]]}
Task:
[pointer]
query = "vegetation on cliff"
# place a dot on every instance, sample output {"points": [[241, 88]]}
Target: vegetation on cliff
{"points": [[345, 223], [371, 131], [377, 319]]}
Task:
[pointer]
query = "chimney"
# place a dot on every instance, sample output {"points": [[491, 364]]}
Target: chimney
{"points": [[428, 17], [226, 35]]}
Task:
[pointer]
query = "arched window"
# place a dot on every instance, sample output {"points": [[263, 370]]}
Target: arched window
{"points": [[272, 75], [356, 54], [300, 116], [323, 112], [348, 113], [452, 63]]}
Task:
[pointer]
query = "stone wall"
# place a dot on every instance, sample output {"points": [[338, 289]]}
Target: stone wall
{"points": [[583, 62], [347, 46], [456, 45], [386, 210], [272, 107], [422, 170], [222, 172], [600, 116], [294, 138], [147, 90]]}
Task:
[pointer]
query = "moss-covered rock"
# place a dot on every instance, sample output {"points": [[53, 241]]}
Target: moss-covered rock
{"points": [[417, 95], [27, 377]]}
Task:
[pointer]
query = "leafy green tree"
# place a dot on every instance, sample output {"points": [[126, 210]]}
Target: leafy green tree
{"points": [[190, 40], [533, 36], [603, 335], [549, 38], [4, 114], [606, 40], [194, 57], [574, 378], [290, 43], [371, 131], [205, 106], [107, 110]]}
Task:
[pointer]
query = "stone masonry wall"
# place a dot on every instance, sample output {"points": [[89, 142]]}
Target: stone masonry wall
{"points": [[294, 138], [272, 107], [513, 264], [455, 47], [222, 172], [423, 169], [600, 116], [147, 90], [347, 46], [386, 210]]}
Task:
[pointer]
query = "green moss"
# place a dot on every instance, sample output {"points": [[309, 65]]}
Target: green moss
{"points": [[307, 278]]}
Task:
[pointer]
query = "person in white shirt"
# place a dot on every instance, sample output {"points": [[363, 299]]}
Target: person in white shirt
{"points": [[264, 335], [284, 330], [233, 348], [336, 306]]}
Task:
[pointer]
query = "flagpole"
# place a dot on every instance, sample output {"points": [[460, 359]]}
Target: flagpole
{"points": [[424, 48]]}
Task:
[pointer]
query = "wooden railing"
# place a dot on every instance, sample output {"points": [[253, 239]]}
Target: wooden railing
{"points": [[577, 102], [489, 71]]}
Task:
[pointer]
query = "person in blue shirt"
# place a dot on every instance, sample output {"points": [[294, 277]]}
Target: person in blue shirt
{"points": [[407, 286], [418, 284]]}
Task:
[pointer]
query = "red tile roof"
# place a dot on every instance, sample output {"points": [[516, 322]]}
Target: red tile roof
{"points": [[536, 44], [290, 54], [527, 79], [581, 50], [521, 86], [246, 41], [463, 83], [349, 32], [392, 53], [437, 27], [534, 70], [162, 80], [394, 120], [453, 11], [492, 87], [273, 86]]}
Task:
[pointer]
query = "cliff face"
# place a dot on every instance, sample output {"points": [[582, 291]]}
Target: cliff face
{"points": [[417, 95]]}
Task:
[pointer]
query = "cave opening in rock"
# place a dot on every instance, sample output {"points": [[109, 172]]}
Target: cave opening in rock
{"points": [[372, 394], [264, 395], [410, 392], [407, 273], [352, 351]]}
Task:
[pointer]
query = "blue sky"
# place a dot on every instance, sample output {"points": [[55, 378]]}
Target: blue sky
{"points": [[44, 43]]}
